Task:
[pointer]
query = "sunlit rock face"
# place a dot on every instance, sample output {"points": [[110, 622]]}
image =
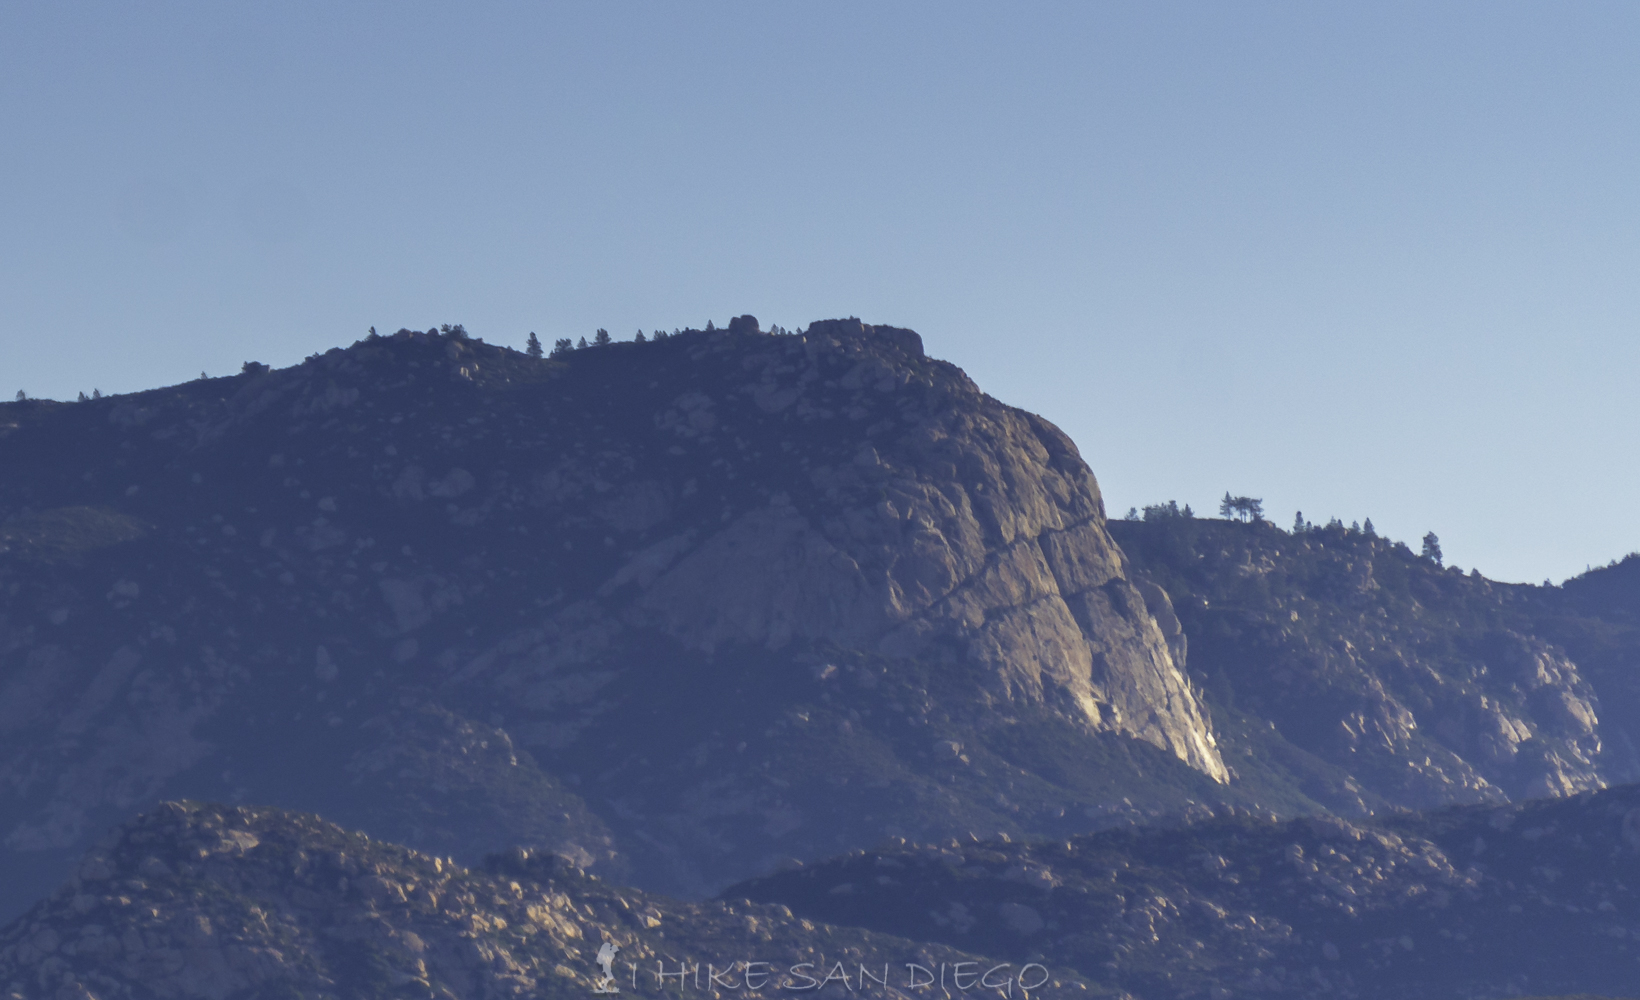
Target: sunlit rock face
{"points": [[982, 527], [681, 609]]}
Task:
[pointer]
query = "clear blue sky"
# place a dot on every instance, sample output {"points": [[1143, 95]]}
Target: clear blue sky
{"points": [[1359, 259]]}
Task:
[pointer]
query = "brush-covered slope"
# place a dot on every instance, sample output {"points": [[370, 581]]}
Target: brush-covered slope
{"points": [[210, 902], [1476, 901], [679, 609]]}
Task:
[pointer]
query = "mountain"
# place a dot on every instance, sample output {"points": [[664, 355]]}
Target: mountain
{"points": [[203, 901], [680, 609], [1470, 901], [682, 613]]}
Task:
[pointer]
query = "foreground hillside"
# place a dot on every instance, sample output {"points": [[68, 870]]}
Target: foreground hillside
{"points": [[1479, 901], [201, 901], [679, 609], [206, 901]]}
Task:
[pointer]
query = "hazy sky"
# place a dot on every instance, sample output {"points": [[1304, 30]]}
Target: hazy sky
{"points": [[1359, 259]]}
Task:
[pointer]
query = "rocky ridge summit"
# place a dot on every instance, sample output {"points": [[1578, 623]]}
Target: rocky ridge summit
{"points": [[678, 609]]}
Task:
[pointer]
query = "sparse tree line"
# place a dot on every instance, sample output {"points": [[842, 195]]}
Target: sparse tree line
{"points": [[1250, 510], [23, 397], [532, 346], [601, 338]]}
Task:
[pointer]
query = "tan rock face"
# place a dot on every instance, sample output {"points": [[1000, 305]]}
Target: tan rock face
{"points": [[985, 529]]}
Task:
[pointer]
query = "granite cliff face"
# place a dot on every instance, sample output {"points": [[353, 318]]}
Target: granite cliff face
{"points": [[679, 609], [981, 535]]}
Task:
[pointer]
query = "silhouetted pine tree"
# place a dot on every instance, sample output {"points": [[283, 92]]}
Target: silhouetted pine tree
{"points": [[533, 346], [1248, 509], [1432, 548], [601, 338]]}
